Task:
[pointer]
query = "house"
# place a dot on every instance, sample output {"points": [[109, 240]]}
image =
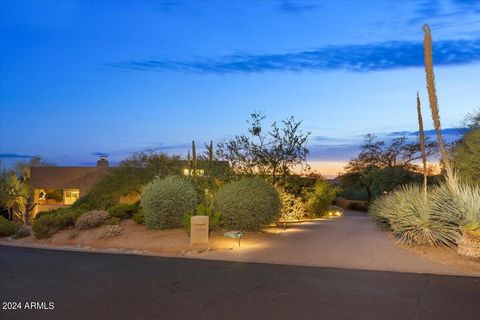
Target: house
{"points": [[57, 187]]}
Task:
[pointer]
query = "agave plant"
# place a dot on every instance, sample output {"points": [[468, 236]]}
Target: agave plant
{"points": [[412, 219]]}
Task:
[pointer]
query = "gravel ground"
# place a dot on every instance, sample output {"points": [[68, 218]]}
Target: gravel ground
{"points": [[352, 242]]}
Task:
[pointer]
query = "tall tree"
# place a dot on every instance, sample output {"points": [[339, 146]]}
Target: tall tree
{"points": [[379, 165], [273, 153], [16, 188]]}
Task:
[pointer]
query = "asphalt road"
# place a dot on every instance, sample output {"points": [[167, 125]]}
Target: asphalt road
{"points": [[108, 286]]}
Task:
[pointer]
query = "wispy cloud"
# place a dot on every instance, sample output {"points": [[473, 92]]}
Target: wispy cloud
{"points": [[14, 156], [355, 58], [291, 7], [100, 154]]}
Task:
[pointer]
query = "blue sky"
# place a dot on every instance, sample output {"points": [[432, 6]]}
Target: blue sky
{"points": [[79, 78]]}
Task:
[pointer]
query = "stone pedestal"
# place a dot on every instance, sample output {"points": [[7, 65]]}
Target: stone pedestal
{"points": [[199, 230]]}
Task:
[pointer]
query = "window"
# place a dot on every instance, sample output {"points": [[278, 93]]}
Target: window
{"points": [[71, 195]]}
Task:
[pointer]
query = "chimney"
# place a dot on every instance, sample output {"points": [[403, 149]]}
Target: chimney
{"points": [[102, 162]]}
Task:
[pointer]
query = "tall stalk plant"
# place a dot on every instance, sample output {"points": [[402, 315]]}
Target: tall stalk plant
{"points": [[422, 147], [432, 97]]}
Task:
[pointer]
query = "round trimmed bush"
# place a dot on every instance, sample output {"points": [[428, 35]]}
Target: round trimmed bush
{"points": [[7, 227], [165, 201], [247, 204]]}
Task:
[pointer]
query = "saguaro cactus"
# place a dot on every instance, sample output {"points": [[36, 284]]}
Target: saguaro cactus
{"points": [[194, 159]]}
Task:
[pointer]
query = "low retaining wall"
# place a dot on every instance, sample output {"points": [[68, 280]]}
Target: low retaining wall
{"points": [[351, 204]]}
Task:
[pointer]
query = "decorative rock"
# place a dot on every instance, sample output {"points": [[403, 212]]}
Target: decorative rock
{"points": [[112, 231], [469, 246]]}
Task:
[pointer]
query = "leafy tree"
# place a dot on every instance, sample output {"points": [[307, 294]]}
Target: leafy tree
{"points": [[16, 191], [466, 151], [381, 167], [273, 153]]}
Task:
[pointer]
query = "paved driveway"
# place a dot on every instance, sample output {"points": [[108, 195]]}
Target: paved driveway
{"points": [[105, 286], [349, 242]]}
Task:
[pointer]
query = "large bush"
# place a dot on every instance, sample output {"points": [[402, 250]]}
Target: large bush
{"points": [[247, 204], [165, 201], [7, 227]]}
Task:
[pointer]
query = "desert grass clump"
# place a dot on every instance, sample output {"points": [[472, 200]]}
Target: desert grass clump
{"points": [[412, 219]]}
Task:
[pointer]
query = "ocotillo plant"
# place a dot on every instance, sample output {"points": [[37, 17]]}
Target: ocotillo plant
{"points": [[432, 97], [422, 146]]}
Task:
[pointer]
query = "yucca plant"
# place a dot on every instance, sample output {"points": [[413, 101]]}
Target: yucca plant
{"points": [[461, 206], [412, 219]]}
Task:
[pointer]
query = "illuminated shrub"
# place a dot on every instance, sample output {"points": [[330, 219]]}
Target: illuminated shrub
{"points": [[248, 204], [91, 219], [165, 201], [7, 227], [292, 207], [321, 198]]}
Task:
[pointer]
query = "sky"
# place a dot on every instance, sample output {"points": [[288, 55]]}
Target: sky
{"points": [[84, 78]]}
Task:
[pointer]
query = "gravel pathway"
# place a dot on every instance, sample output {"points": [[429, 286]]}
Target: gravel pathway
{"points": [[352, 242]]}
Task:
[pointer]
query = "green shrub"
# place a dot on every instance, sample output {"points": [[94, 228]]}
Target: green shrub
{"points": [[293, 208], [44, 226], [112, 221], [139, 217], [47, 223], [165, 201], [202, 210], [66, 218], [7, 227], [91, 219], [22, 232], [412, 218], [321, 198], [247, 204], [123, 211]]}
